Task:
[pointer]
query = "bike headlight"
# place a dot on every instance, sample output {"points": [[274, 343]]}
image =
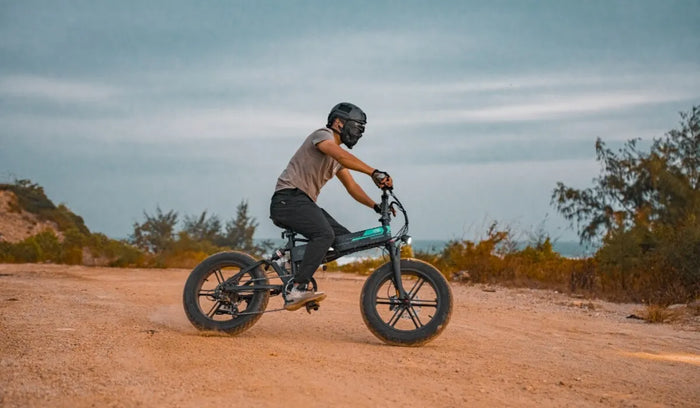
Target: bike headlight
{"points": [[407, 239]]}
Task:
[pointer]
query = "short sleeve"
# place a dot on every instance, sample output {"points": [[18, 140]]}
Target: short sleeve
{"points": [[321, 135]]}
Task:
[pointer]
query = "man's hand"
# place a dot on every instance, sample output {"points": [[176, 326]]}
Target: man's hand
{"points": [[382, 179], [378, 209]]}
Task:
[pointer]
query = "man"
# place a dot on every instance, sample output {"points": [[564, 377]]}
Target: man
{"points": [[293, 205]]}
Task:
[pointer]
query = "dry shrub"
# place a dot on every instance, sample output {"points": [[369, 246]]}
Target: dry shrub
{"points": [[661, 314], [495, 259], [694, 307], [186, 259], [363, 266]]}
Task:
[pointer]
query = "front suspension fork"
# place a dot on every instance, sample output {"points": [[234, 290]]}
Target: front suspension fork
{"points": [[395, 255]]}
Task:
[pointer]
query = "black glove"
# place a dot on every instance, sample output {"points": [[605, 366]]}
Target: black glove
{"points": [[379, 176], [378, 209]]}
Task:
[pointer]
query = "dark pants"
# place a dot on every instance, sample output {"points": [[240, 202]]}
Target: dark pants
{"points": [[292, 208]]}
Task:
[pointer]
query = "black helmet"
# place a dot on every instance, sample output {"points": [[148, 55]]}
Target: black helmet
{"points": [[345, 111], [354, 121]]}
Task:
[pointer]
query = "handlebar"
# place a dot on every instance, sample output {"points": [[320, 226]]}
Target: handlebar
{"points": [[385, 210]]}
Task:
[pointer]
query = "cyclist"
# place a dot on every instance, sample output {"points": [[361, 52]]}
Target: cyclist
{"points": [[293, 204]]}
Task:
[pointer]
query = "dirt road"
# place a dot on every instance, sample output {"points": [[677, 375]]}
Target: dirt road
{"points": [[82, 337]]}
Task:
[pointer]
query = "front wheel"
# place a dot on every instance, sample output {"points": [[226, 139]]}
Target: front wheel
{"points": [[412, 321]]}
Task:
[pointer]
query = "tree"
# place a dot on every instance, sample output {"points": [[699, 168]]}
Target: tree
{"points": [[240, 231], [644, 209], [156, 234], [202, 228]]}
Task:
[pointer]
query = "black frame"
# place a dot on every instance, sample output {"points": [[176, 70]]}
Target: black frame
{"points": [[294, 252]]}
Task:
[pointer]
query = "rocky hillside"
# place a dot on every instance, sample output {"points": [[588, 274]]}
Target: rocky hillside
{"points": [[34, 229], [25, 210], [16, 224]]}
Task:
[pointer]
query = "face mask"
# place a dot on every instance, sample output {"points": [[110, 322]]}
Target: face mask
{"points": [[351, 133]]}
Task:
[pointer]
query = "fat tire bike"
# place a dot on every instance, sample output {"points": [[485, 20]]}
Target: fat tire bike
{"points": [[405, 302]]}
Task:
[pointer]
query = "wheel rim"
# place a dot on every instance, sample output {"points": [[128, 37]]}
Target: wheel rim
{"points": [[412, 313], [220, 305]]}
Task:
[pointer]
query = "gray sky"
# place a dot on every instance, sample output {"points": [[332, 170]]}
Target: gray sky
{"points": [[476, 109]]}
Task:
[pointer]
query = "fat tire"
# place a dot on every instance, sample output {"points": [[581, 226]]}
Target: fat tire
{"points": [[237, 325], [420, 336]]}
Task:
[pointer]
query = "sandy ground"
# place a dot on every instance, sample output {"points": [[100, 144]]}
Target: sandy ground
{"points": [[83, 337]]}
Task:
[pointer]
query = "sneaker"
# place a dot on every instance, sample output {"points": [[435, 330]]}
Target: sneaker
{"points": [[296, 298]]}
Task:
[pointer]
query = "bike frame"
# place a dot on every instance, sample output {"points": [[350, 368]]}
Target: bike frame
{"points": [[343, 245]]}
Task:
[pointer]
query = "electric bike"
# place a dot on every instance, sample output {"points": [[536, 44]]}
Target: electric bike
{"points": [[404, 302]]}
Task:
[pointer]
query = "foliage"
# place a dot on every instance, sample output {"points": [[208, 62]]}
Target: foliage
{"points": [[155, 242], [240, 231], [661, 314], [156, 234], [31, 198], [364, 266], [74, 249], [73, 243], [496, 258], [200, 237], [115, 252], [202, 228], [645, 209]]}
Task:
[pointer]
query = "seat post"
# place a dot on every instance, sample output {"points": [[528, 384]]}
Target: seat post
{"points": [[290, 235]]}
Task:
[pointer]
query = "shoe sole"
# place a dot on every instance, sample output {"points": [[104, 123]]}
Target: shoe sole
{"points": [[296, 306]]}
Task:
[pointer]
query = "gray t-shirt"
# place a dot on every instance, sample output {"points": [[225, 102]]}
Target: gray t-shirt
{"points": [[309, 169]]}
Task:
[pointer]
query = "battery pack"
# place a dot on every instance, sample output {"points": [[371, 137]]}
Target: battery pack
{"points": [[353, 242], [361, 239]]}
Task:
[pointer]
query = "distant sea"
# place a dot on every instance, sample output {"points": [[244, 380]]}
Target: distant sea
{"points": [[569, 249]]}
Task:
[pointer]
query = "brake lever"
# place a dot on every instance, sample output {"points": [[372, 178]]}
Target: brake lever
{"points": [[392, 209]]}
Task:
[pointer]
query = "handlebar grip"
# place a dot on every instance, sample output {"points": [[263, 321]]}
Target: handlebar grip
{"points": [[378, 177]]}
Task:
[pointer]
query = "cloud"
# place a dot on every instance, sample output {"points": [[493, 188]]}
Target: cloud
{"points": [[193, 124], [284, 88], [559, 107], [39, 88]]}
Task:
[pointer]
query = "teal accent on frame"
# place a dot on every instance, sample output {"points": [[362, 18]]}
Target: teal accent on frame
{"points": [[373, 233]]}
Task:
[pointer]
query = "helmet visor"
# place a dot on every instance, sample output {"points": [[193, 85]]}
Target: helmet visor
{"points": [[352, 132], [355, 128]]}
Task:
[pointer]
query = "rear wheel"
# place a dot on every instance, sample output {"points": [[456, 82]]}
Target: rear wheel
{"points": [[414, 320], [219, 297]]}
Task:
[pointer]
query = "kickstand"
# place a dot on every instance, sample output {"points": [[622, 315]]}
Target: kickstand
{"points": [[311, 306]]}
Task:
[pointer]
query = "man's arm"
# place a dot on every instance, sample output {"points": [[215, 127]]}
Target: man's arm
{"points": [[345, 158], [350, 161], [353, 188]]}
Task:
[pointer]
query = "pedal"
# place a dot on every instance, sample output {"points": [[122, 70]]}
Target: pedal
{"points": [[311, 306]]}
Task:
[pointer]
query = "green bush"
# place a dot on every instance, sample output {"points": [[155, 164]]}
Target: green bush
{"points": [[42, 247]]}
